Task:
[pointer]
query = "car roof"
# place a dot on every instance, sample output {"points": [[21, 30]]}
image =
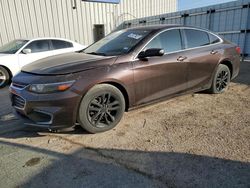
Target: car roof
{"points": [[160, 27], [154, 27], [45, 38]]}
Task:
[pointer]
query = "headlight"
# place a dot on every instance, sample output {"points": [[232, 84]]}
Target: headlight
{"points": [[50, 88]]}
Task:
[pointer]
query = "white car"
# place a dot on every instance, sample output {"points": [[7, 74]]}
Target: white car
{"points": [[17, 53]]}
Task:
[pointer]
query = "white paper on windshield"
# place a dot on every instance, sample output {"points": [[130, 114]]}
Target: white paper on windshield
{"points": [[134, 36]]}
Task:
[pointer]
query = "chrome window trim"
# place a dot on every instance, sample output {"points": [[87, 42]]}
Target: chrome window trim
{"points": [[209, 32]]}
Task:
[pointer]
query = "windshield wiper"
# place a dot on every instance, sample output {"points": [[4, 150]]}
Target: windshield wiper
{"points": [[97, 53]]}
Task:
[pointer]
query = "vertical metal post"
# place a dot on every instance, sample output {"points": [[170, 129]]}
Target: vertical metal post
{"points": [[114, 15], [209, 19], [1, 41], [184, 18], [245, 34]]}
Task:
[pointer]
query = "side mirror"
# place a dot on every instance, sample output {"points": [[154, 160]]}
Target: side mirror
{"points": [[151, 53], [26, 51]]}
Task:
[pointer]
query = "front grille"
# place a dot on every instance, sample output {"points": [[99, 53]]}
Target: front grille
{"points": [[19, 85], [18, 101]]}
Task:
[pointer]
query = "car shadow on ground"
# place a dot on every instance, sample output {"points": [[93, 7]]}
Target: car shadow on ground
{"points": [[100, 167], [5, 104], [242, 78], [30, 131], [244, 74]]}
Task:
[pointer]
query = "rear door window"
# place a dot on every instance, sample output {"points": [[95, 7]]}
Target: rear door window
{"points": [[196, 38], [169, 40], [59, 44]]}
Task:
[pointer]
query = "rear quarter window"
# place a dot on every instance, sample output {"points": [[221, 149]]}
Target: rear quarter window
{"points": [[196, 38], [213, 39]]}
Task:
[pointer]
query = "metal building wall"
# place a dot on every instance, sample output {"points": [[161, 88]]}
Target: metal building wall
{"points": [[231, 20], [72, 19]]}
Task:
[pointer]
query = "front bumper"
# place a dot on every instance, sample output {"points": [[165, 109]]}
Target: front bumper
{"points": [[52, 111]]}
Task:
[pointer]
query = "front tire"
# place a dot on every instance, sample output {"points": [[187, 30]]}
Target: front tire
{"points": [[221, 79], [101, 109], [4, 77]]}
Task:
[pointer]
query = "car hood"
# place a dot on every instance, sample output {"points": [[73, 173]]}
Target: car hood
{"points": [[67, 63], [6, 55]]}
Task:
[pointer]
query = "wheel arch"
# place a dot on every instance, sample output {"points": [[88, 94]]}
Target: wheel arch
{"points": [[10, 73], [122, 89], [229, 64], [113, 83]]}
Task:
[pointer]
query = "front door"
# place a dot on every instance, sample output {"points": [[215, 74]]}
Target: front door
{"points": [[163, 76]]}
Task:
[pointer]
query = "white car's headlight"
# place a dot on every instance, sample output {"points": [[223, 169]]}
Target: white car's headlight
{"points": [[50, 88]]}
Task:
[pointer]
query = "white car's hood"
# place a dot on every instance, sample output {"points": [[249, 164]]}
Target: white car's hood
{"points": [[6, 58], [5, 55], [11, 62]]}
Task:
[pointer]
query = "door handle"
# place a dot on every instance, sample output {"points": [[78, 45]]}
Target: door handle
{"points": [[213, 52], [181, 58]]}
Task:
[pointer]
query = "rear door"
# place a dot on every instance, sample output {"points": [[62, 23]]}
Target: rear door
{"points": [[39, 50], [203, 55], [161, 76]]}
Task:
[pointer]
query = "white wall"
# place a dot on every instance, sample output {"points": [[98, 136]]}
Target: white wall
{"points": [[57, 18]]}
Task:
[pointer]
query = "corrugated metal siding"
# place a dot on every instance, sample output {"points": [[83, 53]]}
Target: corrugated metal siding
{"points": [[231, 20], [57, 18]]}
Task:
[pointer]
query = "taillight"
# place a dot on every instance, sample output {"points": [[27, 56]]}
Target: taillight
{"points": [[238, 49]]}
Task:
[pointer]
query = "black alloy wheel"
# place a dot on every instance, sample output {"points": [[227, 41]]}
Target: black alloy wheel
{"points": [[101, 109], [221, 79]]}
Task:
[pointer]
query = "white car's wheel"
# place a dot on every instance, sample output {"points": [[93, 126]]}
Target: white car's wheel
{"points": [[4, 77]]}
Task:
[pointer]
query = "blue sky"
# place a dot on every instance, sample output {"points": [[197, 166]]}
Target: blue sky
{"points": [[189, 4]]}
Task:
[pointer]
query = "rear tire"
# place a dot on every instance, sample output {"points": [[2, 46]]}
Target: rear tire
{"points": [[221, 80], [101, 109], [4, 77]]}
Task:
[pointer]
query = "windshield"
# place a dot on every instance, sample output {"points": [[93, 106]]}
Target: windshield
{"points": [[117, 43], [13, 46]]}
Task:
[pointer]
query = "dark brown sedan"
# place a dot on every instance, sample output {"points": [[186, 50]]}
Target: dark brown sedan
{"points": [[126, 69]]}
